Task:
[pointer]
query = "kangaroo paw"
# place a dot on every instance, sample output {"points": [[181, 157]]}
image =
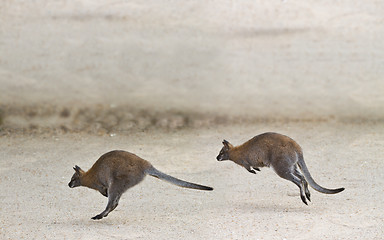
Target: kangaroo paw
{"points": [[97, 217], [304, 200]]}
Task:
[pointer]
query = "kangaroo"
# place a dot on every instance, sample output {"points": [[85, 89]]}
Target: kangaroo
{"points": [[116, 171], [281, 153]]}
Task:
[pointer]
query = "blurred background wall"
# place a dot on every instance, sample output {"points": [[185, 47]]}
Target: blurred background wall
{"points": [[264, 59]]}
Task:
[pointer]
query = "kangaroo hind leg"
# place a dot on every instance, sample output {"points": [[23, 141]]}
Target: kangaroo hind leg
{"points": [[304, 182], [287, 172], [113, 200], [291, 177]]}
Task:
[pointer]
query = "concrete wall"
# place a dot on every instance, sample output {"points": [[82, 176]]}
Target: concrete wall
{"points": [[291, 59]]}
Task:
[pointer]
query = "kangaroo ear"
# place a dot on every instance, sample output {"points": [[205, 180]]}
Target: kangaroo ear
{"points": [[77, 168], [227, 144]]}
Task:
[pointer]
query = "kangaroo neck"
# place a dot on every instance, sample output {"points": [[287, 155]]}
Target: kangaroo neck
{"points": [[235, 154], [87, 180]]}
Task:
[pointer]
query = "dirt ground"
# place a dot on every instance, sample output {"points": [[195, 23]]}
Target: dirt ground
{"points": [[168, 80], [36, 202]]}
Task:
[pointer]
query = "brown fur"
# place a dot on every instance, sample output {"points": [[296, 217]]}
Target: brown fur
{"points": [[115, 172], [281, 153]]}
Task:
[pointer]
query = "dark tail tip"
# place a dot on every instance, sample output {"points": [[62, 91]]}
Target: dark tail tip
{"points": [[206, 188], [334, 191]]}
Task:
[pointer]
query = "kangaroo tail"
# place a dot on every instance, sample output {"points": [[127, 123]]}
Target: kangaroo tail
{"points": [[310, 180], [157, 174]]}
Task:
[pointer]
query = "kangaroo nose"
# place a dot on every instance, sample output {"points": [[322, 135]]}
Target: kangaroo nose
{"points": [[218, 158]]}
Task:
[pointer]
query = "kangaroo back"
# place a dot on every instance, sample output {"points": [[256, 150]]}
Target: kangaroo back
{"points": [[310, 180], [157, 174]]}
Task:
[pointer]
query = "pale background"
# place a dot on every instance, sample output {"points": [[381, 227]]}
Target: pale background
{"points": [[264, 58]]}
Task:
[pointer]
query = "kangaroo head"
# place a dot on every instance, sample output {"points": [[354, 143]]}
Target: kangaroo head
{"points": [[224, 152], [75, 180]]}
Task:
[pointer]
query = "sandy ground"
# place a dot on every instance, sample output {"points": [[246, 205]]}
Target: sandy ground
{"points": [[168, 80], [36, 202]]}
